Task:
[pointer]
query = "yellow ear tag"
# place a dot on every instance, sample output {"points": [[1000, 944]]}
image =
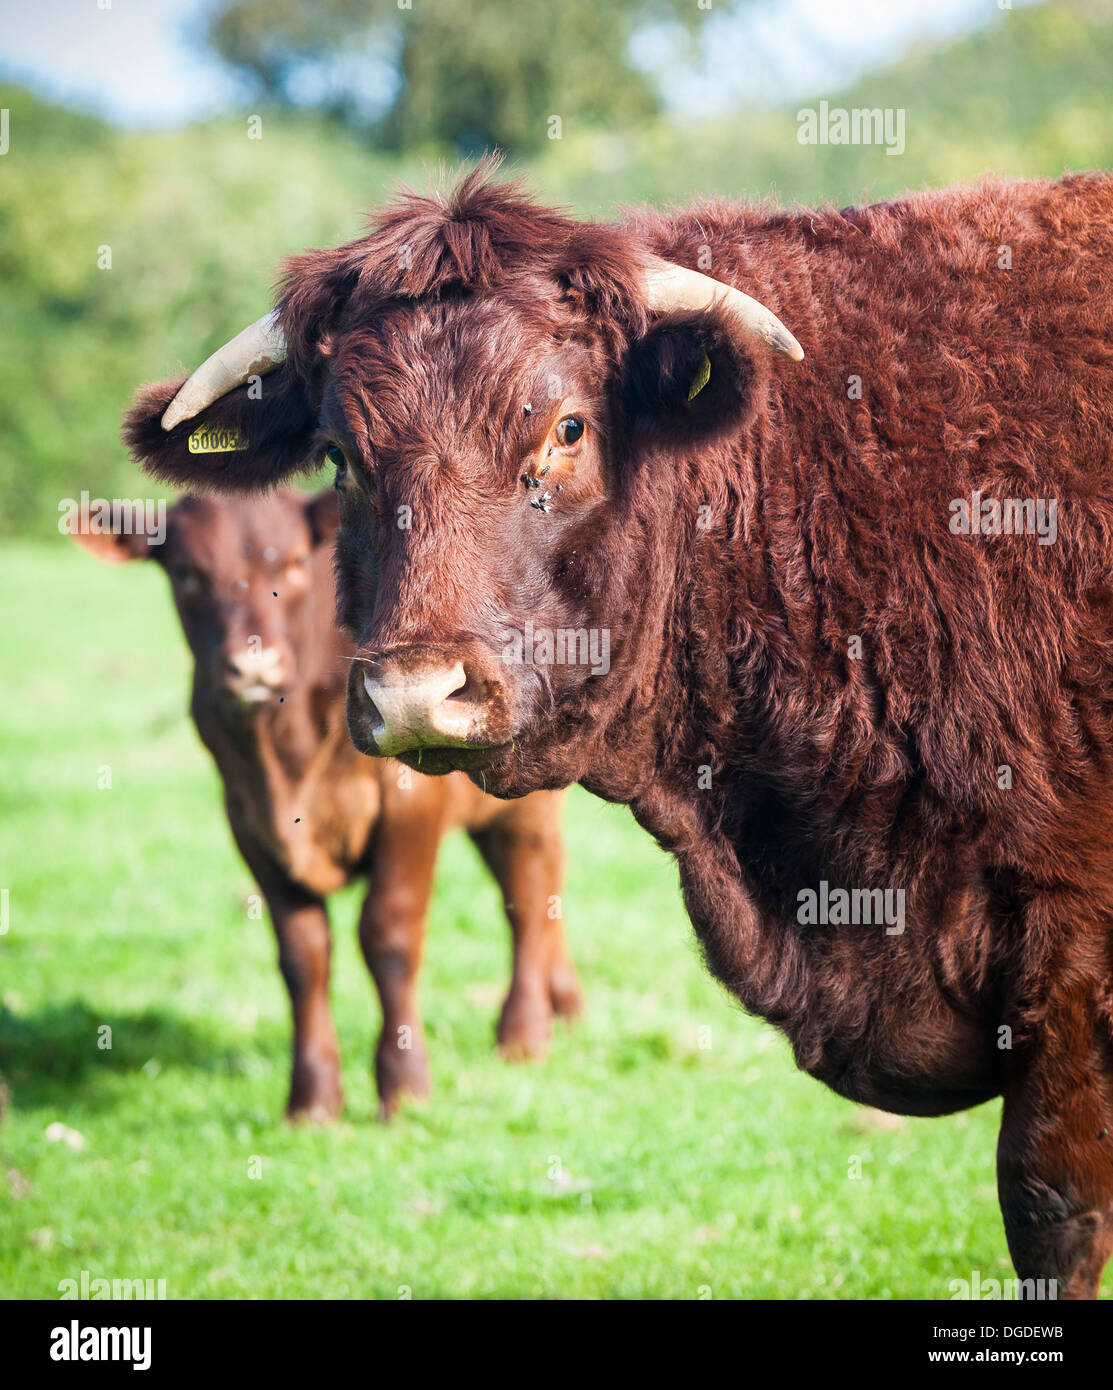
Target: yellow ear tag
{"points": [[701, 378], [216, 439]]}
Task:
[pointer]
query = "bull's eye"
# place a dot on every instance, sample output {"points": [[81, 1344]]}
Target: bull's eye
{"points": [[335, 455], [570, 431]]}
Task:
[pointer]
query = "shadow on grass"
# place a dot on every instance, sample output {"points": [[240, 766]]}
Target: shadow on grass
{"points": [[45, 1056]]}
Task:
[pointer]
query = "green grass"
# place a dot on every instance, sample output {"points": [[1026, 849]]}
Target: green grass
{"points": [[678, 1168]]}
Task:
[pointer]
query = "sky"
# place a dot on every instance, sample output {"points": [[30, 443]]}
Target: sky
{"points": [[143, 62]]}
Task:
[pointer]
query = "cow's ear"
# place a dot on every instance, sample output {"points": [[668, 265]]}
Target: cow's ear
{"points": [[322, 511], [687, 379], [115, 548], [252, 438]]}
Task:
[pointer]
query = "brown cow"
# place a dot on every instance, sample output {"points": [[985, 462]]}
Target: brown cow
{"points": [[858, 613], [252, 581]]}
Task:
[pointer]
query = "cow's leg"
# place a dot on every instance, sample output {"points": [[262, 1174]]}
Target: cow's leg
{"points": [[304, 957], [522, 848], [1055, 1153], [392, 936], [304, 951], [565, 994]]}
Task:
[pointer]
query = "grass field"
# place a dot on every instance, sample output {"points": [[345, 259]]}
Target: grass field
{"points": [[634, 1163]]}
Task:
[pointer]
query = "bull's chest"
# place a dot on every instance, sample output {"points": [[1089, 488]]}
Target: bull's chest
{"points": [[875, 984]]}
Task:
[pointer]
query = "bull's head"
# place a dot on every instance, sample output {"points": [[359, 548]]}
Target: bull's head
{"points": [[512, 401]]}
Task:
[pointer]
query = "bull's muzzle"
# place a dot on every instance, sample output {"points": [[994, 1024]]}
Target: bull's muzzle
{"points": [[417, 698]]}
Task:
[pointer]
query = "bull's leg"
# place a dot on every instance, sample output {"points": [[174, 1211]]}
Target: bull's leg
{"points": [[1055, 1153], [523, 850], [392, 936]]}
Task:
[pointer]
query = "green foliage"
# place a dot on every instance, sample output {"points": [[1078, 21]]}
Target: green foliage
{"points": [[466, 74], [643, 1159], [1027, 96], [198, 219], [195, 222]]}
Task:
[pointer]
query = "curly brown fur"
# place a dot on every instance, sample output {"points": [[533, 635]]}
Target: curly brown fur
{"points": [[812, 678]]}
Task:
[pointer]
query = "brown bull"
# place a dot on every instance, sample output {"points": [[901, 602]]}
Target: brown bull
{"points": [[852, 616], [252, 581]]}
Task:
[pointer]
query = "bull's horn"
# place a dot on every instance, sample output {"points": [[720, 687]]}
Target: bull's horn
{"points": [[258, 349], [671, 286], [261, 347]]}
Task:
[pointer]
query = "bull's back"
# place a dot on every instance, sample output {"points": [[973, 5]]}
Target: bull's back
{"points": [[959, 347], [946, 334], [963, 338]]}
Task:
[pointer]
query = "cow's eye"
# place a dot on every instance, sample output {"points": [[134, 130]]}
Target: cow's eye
{"points": [[186, 579], [570, 430]]}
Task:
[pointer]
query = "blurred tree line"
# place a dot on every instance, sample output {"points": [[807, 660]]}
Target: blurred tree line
{"points": [[465, 74], [126, 256]]}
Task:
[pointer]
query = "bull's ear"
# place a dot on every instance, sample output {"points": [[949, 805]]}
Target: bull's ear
{"points": [[322, 511], [688, 380], [252, 438]]}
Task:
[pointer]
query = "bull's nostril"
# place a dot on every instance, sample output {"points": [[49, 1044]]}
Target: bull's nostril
{"points": [[378, 729], [422, 703]]}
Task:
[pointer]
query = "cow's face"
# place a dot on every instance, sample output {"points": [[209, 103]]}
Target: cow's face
{"points": [[240, 570], [511, 402]]}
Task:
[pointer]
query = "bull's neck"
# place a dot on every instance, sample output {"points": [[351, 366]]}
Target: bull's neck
{"points": [[685, 801]]}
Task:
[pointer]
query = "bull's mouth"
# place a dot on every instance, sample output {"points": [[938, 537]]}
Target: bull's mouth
{"points": [[438, 762]]}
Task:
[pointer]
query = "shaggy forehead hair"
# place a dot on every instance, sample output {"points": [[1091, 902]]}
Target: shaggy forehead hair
{"points": [[479, 238], [405, 384]]}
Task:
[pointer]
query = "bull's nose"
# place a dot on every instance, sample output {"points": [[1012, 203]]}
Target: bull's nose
{"points": [[422, 700], [409, 711]]}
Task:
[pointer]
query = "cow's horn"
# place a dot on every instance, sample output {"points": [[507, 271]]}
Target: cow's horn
{"points": [[671, 286], [258, 349]]}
